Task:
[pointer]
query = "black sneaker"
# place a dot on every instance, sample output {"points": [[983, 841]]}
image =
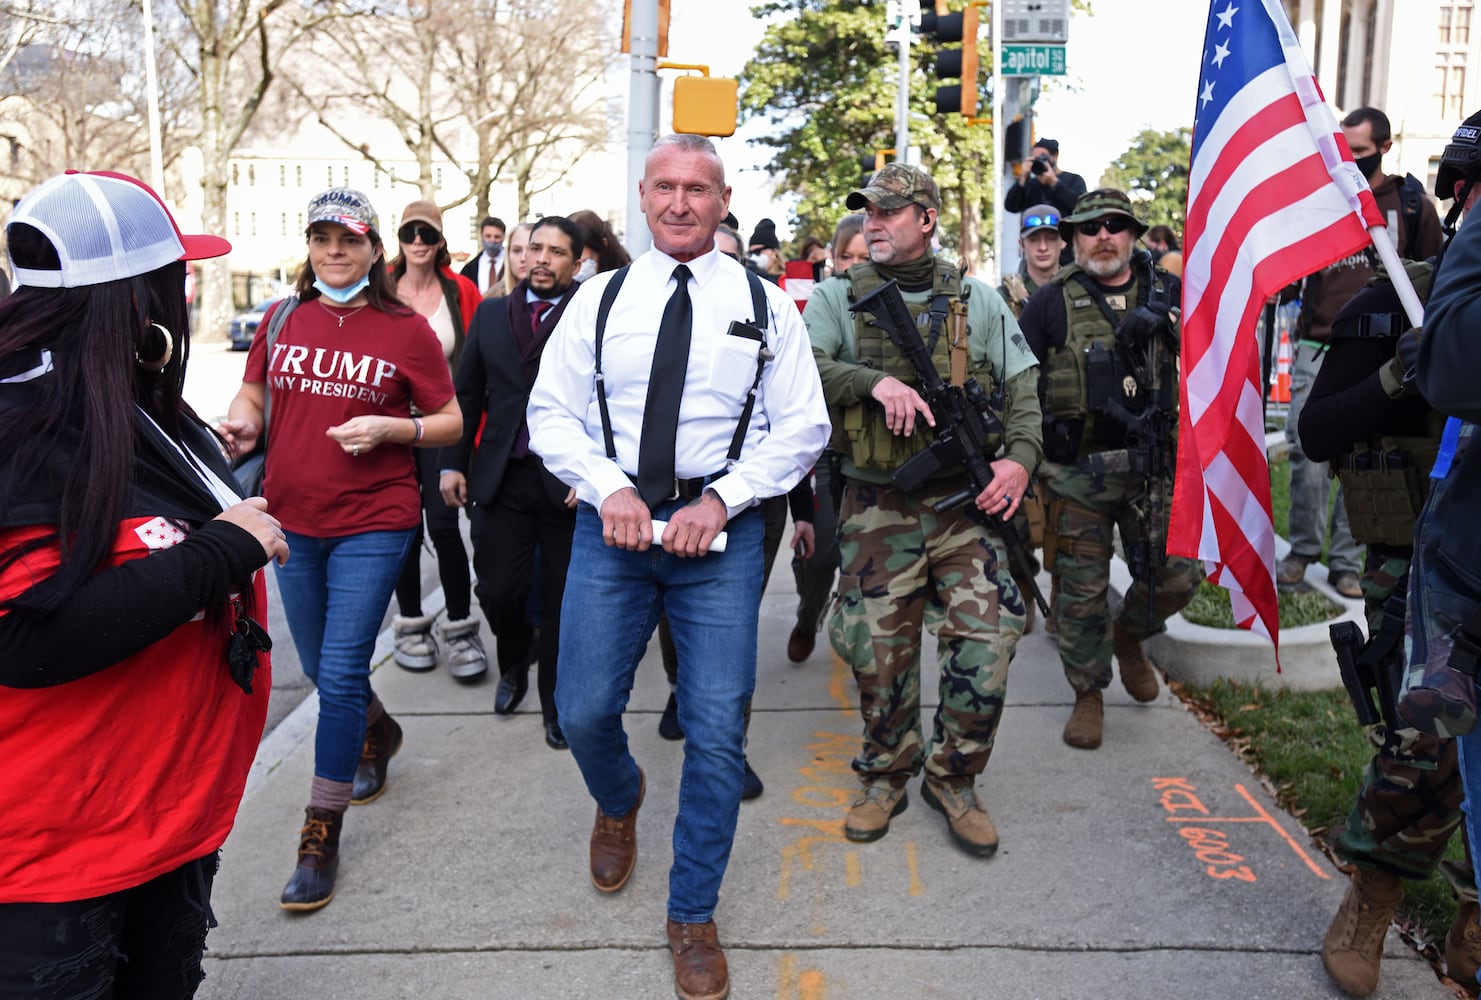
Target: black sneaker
{"points": [[668, 723], [752, 786]]}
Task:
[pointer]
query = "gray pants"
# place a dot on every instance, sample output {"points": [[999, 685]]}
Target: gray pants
{"points": [[1311, 485]]}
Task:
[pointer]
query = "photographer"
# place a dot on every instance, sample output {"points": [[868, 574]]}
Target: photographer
{"points": [[1043, 182]]}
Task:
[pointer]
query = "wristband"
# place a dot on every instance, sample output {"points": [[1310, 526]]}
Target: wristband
{"points": [[418, 424]]}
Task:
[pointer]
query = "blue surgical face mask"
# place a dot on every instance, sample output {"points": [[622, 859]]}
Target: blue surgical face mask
{"points": [[342, 295], [586, 270]]}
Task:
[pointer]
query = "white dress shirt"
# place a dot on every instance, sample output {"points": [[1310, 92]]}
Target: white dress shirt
{"points": [[788, 428]]}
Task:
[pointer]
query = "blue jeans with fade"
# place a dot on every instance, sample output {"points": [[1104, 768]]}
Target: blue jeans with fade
{"points": [[335, 593], [612, 602]]}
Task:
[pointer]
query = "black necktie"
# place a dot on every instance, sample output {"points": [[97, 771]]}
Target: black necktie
{"points": [[665, 390]]}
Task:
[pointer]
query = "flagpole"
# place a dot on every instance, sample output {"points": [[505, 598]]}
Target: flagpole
{"points": [[1383, 242]]}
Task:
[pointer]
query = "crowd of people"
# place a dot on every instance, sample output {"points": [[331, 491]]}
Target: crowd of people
{"points": [[655, 420]]}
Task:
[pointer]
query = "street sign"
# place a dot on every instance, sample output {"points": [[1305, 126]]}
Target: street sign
{"points": [[1036, 21], [1033, 60]]}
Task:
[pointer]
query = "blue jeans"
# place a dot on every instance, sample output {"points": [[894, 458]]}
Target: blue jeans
{"points": [[612, 602], [335, 593]]}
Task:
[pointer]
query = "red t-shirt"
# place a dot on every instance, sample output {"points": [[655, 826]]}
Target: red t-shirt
{"points": [[122, 776], [323, 374]]}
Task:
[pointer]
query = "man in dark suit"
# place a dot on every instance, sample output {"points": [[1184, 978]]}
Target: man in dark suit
{"points": [[487, 266], [518, 507]]}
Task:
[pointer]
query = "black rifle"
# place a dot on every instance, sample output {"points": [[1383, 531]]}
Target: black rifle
{"points": [[1375, 665], [964, 421]]}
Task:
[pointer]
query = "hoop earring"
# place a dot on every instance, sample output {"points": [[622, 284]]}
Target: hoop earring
{"points": [[158, 364]]}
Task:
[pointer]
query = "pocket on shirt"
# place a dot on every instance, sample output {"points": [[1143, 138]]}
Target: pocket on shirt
{"points": [[733, 367]]}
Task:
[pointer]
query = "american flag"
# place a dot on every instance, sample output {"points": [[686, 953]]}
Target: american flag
{"points": [[1273, 195]]}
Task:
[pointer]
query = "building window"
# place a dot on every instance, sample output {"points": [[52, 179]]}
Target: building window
{"points": [[1455, 23], [346, 175], [298, 174], [252, 218], [282, 175], [251, 175], [329, 172], [236, 223], [1450, 84], [236, 176], [283, 224]]}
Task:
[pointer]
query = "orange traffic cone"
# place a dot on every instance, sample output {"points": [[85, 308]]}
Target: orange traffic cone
{"points": [[1280, 382]]}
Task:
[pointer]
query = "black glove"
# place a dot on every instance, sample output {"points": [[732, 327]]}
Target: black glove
{"points": [[1407, 353]]}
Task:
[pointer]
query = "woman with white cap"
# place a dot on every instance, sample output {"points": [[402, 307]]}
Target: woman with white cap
{"points": [[131, 655], [344, 373]]}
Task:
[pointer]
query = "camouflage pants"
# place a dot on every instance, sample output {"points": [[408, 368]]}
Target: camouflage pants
{"points": [[898, 557], [1086, 508], [1408, 804]]}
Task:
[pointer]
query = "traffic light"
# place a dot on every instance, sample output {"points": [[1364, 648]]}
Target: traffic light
{"points": [[871, 163], [958, 63]]}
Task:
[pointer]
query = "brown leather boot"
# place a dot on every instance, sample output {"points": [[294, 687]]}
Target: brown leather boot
{"points": [[312, 884], [700, 972], [1353, 947], [1083, 729], [382, 740], [614, 845], [1463, 947], [1138, 675]]}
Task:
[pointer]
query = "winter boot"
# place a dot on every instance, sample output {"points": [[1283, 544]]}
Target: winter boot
{"points": [[382, 740], [416, 649], [1138, 675], [1083, 729], [1353, 946], [1463, 947], [312, 884], [466, 659]]}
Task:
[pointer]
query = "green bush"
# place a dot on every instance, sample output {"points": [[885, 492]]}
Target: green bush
{"points": [[1210, 606]]}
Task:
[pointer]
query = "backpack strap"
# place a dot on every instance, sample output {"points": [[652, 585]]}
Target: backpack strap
{"points": [[274, 327], [758, 305], [604, 308], [1411, 203]]}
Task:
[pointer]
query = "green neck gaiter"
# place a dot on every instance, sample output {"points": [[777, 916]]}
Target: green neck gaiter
{"points": [[916, 276]]}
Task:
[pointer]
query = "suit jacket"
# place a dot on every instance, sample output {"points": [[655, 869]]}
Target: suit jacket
{"points": [[493, 390], [470, 271]]}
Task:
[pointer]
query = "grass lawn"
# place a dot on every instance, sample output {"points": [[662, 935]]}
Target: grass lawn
{"points": [[1309, 746]]}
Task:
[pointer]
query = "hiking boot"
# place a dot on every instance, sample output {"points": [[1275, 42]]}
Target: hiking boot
{"points": [[970, 826], [1463, 947], [1292, 569], [466, 660], [1345, 582], [382, 740], [700, 972], [416, 649], [1353, 946], [869, 817], [1138, 675], [614, 845], [1083, 729], [312, 884]]}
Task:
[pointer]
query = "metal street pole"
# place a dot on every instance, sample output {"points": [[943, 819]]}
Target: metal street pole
{"points": [[151, 91], [642, 116], [1000, 120]]}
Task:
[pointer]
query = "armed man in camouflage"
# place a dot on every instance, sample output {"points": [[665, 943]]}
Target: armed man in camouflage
{"points": [[897, 554], [1105, 332], [1367, 417], [1039, 246]]}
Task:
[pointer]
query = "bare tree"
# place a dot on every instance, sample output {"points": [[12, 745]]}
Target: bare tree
{"points": [[497, 88]]}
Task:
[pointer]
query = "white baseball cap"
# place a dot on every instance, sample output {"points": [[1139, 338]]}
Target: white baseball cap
{"points": [[104, 226]]}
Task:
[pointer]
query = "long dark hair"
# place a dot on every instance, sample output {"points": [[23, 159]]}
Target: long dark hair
{"points": [[83, 409], [381, 292], [597, 234]]}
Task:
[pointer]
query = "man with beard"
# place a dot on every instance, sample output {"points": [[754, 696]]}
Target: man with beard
{"points": [[1415, 229], [1105, 332], [898, 554], [518, 507]]}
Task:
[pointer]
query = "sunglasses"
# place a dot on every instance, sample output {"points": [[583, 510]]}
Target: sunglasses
{"points": [[1035, 221], [412, 230], [1113, 225]]}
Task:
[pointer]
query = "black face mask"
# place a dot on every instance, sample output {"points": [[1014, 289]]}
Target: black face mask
{"points": [[1368, 164]]}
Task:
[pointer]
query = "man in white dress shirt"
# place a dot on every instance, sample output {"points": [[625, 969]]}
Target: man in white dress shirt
{"points": [[597, 419]]}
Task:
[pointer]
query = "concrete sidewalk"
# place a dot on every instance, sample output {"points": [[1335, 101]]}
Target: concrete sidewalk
{"points": [[1156, 866]]}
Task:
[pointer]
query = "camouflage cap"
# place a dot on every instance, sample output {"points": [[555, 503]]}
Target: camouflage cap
{"points": [[1098, 204], [895, 185]]}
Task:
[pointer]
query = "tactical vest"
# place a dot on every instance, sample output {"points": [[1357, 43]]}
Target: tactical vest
{"points": [[1015, 292], [861, 431], [1066, 377], [1386, 480]]}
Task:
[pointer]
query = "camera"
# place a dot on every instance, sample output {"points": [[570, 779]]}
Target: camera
{"points": [[1040, 164]]}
